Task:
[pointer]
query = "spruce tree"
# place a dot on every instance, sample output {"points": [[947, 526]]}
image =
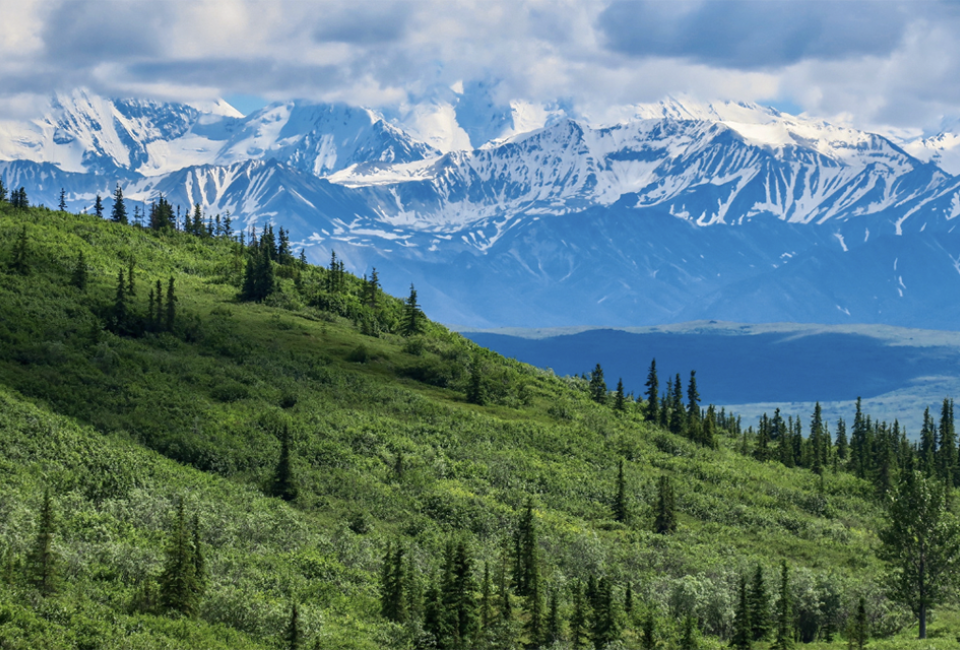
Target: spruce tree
{"points": [[677, 414], [178, 581], [552, 634], [598, 387], [742, 626], [171, 315], [653, 393], [578, 619], [759, 607], [19, 263], [78, 277], [475, 392], [619, 401], [688, 634], [98, 207], [665, 521], [947, 450], [412, 316], [118, 317], [42, 561], [284, 484], [62, 205], [693, 398], [859, 632], [843, 449], [605, 629], [620, 507], [649, 640], [784, 638], [119, 213], [199, 561], [292, 636], [486, 600], [3, 191]]}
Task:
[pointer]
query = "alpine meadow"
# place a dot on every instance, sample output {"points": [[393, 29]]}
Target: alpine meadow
{"points": [[207, 442]]}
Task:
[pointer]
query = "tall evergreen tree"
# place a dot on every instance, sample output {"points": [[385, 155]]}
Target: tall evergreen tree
{"points": [[665, 515], [605, 629], [3, 191], [693, 398], [62, 205], [843, 450], [677, 414], [284, 484], [171, 315], [412, 316], [475, 392], [79, 276], [742, 638], [859, 632], [42, 561], [486, 600], [928, 445], [292, 636], [553, 633], [620, 507], [598, 387], [619, 400], [759, 607], [649, 640], [119, 313], [784, 639], [178, 581], [578, 619], [199, 561], [119, 212], [688, 634], [653, 393], [19, 263], [817, 452], [98, 207], [947, 450]]}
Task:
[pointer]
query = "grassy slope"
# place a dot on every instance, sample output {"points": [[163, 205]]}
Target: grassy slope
{"points": [[196, 414]]}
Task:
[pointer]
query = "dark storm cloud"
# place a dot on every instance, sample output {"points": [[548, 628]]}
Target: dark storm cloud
{"points": [[753, 34]]}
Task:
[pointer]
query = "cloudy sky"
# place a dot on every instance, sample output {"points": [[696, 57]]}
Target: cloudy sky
{"points": [[876, 64]]}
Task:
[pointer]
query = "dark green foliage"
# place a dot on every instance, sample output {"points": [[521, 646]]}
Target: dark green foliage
{"points": [[598, 387], [98, 207], [742, 638], [677, 413], [258, 278], [605, 626], [653, 394], [859, 630], [292, 637], [578, 619], [18, 199], [665, 515], [119, 212], [119, 321], [19, 262], [784, 637], [621, 511], [759, 606], [921, 544], [693, 398], [553, 633], [475, 391], [42, 560], [649, 632], [179, 588], [619, 400], [161, 215], [62, 205], [688, 634], [486, 600], [284, 483], [79, 276], [412, 315], [3, 191], [284, 252], [171, 312], [947, 445]]}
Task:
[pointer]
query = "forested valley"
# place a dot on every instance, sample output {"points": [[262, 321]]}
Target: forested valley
{"points": [[207, 442]]}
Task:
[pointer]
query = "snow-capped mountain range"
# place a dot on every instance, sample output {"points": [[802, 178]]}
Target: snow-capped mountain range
{"points": [[519, 214]]}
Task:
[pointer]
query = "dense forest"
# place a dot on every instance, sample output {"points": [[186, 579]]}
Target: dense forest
{"points": [[207, 442]]}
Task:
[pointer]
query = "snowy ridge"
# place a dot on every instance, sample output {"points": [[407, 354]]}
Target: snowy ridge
{"points": [[668, 211]]}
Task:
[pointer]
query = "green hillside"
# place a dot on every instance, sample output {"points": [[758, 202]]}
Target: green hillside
{"points": [[123, 413]]}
